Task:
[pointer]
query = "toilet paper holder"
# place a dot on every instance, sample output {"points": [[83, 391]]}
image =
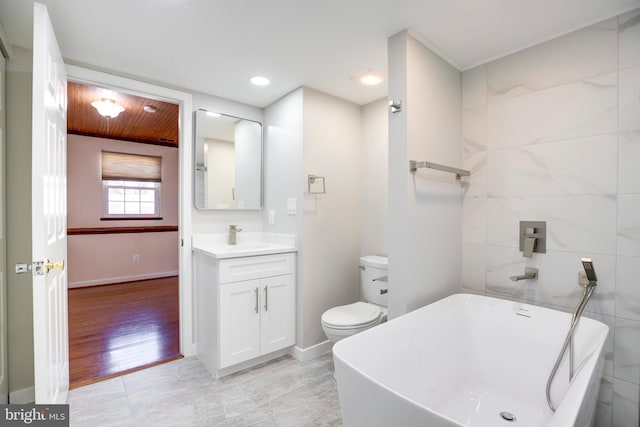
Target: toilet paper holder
{"points": [[533, 238]]}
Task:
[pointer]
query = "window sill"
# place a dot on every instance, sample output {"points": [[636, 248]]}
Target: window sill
{"points": [[131, 218]]}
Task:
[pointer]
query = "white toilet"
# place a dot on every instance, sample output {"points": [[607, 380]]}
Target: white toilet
{"points": [[346, 320]]}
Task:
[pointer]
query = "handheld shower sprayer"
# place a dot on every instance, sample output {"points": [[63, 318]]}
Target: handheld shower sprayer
{"points": [[587, 264], [590, 274]]}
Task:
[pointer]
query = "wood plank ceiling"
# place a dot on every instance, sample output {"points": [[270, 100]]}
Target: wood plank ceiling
{"points": [[133, 124]]}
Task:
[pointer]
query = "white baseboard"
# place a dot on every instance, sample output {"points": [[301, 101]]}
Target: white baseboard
{"points": [[23, 396], [122, 279], [309, 353]]}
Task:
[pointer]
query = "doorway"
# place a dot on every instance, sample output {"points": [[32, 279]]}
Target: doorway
{"points": [[123, 234]]}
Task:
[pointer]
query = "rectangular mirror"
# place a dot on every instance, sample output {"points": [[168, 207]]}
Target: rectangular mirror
{"points": [[227, 162]]}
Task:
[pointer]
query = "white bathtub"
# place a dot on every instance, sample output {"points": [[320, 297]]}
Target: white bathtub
{"points": [[465, 359]]}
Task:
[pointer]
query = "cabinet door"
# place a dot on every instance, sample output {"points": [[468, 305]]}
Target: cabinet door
{"points": [[239, 322], [278, 313]]}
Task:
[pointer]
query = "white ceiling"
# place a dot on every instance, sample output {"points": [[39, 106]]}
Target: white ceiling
{"points": [[214, 46]]}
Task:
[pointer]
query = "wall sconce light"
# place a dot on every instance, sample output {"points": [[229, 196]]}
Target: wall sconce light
{"points": [[108, 107]]}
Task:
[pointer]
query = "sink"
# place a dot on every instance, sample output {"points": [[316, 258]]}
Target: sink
{"points": [[249, 244]]}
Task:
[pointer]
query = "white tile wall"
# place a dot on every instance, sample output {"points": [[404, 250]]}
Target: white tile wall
{"points": [[575, 166], [573, 110], [570, 58], [629, 128], [552, 133], [629, 39], [629, 224], [576, 223], [626, 397], [627, 284], [626, 361]]}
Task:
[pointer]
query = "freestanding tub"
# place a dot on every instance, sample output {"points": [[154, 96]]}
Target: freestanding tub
{"points": [[469, 360]]}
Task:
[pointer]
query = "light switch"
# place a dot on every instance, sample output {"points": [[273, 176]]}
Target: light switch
{"points": [[272, 217], [292, 208]]}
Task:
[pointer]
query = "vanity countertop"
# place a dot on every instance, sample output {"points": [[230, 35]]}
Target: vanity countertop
{"points": [[249, 244]]}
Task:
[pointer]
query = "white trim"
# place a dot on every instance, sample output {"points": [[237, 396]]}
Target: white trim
{"points": [[114, 280], [310, 353], [23, 396], [85, 75]]}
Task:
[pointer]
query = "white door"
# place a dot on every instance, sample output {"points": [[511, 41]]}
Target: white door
{"points": [[239, 322], [49, 224], [278, 314]]}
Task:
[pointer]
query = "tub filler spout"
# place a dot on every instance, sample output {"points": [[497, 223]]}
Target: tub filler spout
{"points": [[529, 273]]}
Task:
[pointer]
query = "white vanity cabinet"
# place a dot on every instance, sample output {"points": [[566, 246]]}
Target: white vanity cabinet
{"points": [[257, 317], [245, 309]]}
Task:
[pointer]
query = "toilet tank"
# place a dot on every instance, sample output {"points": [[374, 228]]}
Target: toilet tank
{"points": [[373, 279]]}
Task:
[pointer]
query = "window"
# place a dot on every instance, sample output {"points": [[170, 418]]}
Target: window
{"points": [[129, 198], [131, 185]]}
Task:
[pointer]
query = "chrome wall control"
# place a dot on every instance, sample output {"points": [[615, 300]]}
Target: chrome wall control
{"points": [[533, 238]]}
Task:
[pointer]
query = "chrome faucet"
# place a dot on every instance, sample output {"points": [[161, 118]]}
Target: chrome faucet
{"points": [[233, 233]]}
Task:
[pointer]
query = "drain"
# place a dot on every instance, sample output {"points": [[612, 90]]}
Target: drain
{"points": [[508, 416]]}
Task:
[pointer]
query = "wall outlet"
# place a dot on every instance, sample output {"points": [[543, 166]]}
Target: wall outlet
{"points": [[136, 258], [272, 217]]}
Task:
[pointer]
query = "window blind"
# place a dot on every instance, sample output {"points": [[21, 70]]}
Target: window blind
{"points": [[132, 167]]}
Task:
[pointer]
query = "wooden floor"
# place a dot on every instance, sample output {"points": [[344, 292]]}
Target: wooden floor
{"points": [[116, 329]]}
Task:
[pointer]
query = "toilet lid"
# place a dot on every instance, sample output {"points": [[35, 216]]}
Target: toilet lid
{"points": [[355, 314]]}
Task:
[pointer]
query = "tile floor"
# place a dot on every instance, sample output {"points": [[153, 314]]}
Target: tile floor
{"points": [[283, 392]]}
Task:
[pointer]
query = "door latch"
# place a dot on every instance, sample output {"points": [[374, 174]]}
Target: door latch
{"points": [[39, 268]]}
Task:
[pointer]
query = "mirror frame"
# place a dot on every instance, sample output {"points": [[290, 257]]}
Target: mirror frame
{"points": [[194, 165]]}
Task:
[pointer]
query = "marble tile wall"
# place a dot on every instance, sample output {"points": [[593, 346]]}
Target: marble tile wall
{"points": [[552, 133]]}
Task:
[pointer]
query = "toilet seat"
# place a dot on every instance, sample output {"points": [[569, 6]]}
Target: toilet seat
{"points": [[356, 315]]}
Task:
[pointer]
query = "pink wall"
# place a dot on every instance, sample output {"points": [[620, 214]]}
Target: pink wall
{"points": [[84, 183], [99, 259]]}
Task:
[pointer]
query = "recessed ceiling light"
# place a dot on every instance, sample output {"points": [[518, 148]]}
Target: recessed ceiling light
{"points": [[212, 114], [370, 77], [259, 80], [149, 109]]}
